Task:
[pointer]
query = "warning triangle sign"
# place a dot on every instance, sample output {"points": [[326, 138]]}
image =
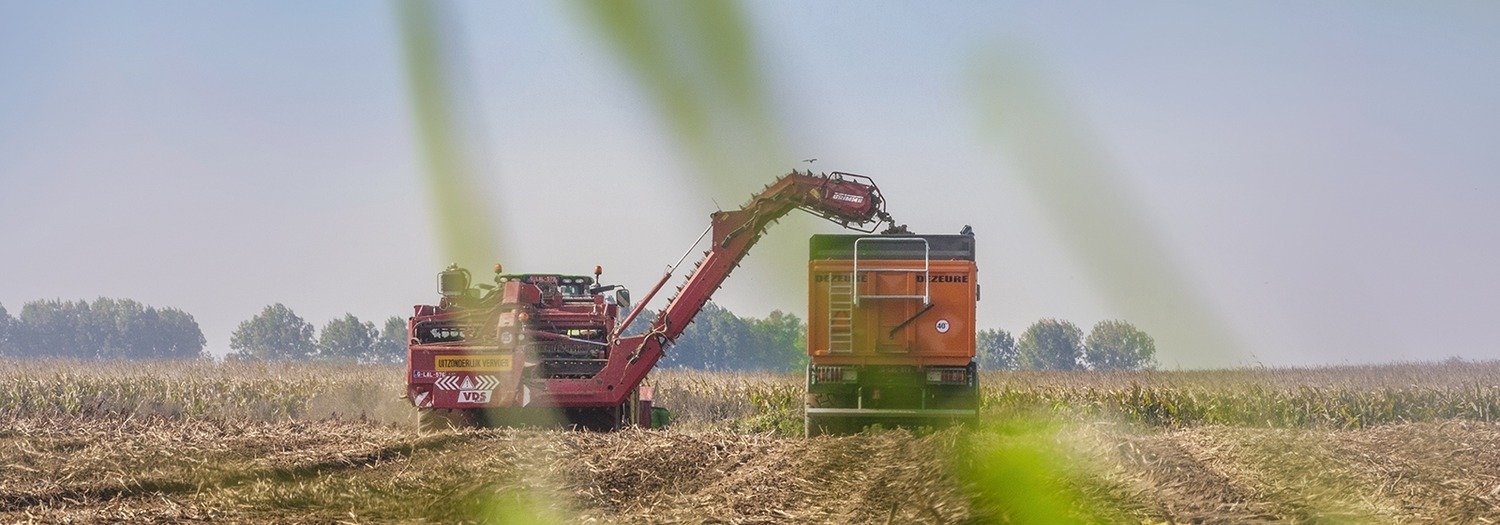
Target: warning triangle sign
{"points": [[468, 383]]}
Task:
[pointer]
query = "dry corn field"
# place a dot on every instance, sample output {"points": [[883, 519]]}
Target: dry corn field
{"points": [[200, 442]]}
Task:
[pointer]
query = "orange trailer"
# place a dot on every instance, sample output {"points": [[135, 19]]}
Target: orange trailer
{"points": [[891, 333]]}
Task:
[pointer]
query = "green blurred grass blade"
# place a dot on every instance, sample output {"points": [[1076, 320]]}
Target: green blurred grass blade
{"points": [[695, 61], [697, 65], [434, 71], [464, 219], [1092, 210]]}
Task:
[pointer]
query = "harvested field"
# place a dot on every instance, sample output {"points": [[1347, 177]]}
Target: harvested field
{"points": [[182, 470], [185, 470], [320, 444]]}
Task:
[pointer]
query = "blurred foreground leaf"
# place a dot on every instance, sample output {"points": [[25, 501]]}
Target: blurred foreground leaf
{"points": [[1095, 215], [695, 62], [434, 73]]}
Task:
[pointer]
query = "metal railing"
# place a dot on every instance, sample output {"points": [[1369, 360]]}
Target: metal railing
{"points": [[926, 269]]}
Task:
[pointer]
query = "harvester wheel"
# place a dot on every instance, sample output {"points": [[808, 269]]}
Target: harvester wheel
{"points": [[431, 420]]}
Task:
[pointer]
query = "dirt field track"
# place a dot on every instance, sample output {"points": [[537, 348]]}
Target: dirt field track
{"points": [[169, 471], [237, 443]]}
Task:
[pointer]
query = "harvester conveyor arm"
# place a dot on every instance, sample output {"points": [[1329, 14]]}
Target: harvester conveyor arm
{"points": [[852, 201]]}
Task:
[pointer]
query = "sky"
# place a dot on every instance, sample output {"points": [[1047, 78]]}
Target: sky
{"points": [[1322, 177]]}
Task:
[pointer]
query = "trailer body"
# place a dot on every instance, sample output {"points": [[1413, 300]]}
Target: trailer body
{"points": [[891, 331]]}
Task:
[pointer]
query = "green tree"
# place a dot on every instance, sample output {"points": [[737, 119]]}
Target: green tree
{"points": [[720, 340], [5, 332], [56, 328], [1118, 345], [126, 329], [997, 350], [641, 323], [179, 336], [347, 339], [1050, 344], [115, 326], [130, 330], [391, 347], [105, 329], [276, 333], [781, 343], [717, 340]]}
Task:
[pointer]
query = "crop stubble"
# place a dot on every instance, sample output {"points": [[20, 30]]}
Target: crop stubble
{"points": [[321, 446]]}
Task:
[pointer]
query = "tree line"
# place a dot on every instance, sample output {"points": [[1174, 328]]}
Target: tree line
{"points": [[103, 329], [1051, 344], [279, 334], [720, 340], [717, 340]]}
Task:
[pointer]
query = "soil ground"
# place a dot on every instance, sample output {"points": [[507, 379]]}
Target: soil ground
{"points": [[176, 470]]}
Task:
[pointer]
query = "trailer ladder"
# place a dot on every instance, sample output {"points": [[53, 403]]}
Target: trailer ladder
{"points": [[840, 318], [844, 296]]}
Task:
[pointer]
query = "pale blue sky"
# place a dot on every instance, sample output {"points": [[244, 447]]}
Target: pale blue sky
{"points": [[1326, 173]]}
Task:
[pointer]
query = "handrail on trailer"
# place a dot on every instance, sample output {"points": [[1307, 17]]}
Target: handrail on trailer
{"points": [[926, 269]]}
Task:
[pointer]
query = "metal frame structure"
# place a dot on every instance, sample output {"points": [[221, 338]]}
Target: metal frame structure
{"points": [[849, 200]]}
